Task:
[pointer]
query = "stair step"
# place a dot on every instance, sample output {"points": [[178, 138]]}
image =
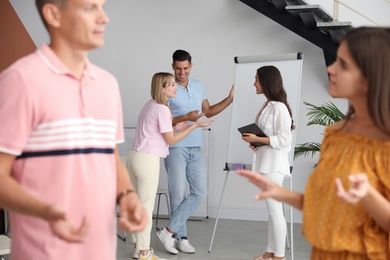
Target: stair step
{"points": [[317, 10], [333, 25], [300, 8], [296, 2], [327, 39]]}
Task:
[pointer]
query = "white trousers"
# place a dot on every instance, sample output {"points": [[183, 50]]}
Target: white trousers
{"points": [[144, 170], [277, 227]]}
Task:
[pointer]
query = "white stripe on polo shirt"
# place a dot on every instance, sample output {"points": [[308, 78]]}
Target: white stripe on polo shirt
{"points": [[69, 144], [77, 121], [71, 136], [72, 129], [72, 133]]}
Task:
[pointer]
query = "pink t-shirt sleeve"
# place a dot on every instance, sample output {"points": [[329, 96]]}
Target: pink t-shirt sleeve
{"points": [[165, 120], [16, 112]]}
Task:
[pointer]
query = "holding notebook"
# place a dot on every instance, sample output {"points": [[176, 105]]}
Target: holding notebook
{"points": [[253, 129]]}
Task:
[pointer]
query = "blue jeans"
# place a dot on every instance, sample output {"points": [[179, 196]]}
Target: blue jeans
{"points": [[185, 164]]}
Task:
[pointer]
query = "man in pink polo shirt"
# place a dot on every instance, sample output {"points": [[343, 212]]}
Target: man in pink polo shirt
{"points": [[61, 117]]}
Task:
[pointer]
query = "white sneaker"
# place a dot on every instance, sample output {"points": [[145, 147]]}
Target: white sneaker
{"points": [[184, 246], [168, 241]]}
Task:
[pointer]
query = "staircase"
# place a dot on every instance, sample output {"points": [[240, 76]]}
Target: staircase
{"points": [[311, 22]]}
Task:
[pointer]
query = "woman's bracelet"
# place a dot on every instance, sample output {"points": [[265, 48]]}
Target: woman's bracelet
{"points": [[122, 194]]}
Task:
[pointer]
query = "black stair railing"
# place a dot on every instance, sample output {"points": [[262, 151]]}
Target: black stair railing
{"points": [[311, 22]]}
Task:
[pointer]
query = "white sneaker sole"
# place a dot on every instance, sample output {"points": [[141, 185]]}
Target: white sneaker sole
{"points": [[186, 252]]}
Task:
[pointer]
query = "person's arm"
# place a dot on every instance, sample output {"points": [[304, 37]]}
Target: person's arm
{"points": [[215, 109], [252, 138], [172, 138], [272, 190], [378, 207], [282, 122], [14, 197], [132, 214], [373, 202]]}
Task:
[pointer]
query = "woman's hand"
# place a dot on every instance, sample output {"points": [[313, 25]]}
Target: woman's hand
{"points": [[272, 190], [372, 201], [254, 148], [204, 122], [248, 137], [358, 190], [181, 126], [269, 188]]}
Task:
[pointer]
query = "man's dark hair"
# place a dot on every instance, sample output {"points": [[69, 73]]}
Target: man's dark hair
{"points": [[41, 3], [181, 55]]}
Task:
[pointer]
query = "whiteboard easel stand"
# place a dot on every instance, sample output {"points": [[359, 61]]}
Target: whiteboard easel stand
{"points": [[291, 246], [290, 67], [219, 206], [289, 177], [291, 226]]}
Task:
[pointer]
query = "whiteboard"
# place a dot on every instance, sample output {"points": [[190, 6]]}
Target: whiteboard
{"points": [[247, 103], [125, 148]]}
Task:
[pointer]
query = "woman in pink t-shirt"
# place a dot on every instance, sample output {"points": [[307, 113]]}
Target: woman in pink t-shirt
{"points": [[154, 134]]}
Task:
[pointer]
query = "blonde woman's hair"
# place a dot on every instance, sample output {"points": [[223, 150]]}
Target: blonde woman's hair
{"points": [[159, 81]]}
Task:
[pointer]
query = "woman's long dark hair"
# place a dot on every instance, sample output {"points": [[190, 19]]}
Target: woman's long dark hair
{"points": [[370, 49], [272, 85]]}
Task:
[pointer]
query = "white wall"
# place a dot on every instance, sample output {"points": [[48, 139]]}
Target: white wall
{"points": [[140, 40]]}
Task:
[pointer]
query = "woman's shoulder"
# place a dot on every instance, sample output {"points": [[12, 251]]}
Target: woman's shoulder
{"points": [[153, 106], [277, 106], [363, 133], [336, 126], [154, 103]]}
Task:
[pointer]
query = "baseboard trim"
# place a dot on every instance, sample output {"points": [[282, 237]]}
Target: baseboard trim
{"points": [[193, 218], [250, 213], [242, 213]]}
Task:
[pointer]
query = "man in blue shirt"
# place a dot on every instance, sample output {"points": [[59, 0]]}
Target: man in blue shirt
{"points": [[185, 160]]}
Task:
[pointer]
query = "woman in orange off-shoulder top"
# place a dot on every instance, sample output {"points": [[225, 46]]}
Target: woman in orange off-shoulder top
{"points": [[359, 144]]}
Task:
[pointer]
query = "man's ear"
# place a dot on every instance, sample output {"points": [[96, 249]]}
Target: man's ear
{"points": [[173, 66], [52, 15]]}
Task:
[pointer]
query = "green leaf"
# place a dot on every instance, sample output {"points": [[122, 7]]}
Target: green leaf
{"points": [[324, 115], [306, 149]]}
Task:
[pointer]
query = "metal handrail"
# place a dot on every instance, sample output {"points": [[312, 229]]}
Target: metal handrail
{"points": [[336, 11]]}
